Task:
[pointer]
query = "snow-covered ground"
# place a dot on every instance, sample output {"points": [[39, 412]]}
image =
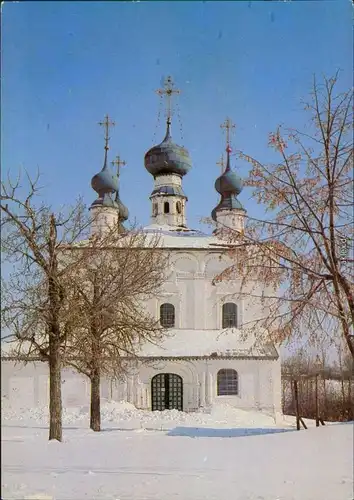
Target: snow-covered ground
{"points": [[222, 454]]}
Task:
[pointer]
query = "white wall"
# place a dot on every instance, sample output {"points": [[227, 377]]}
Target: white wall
{"points": [[28, 385], [259, 384], [198, 303], [198, 306]]}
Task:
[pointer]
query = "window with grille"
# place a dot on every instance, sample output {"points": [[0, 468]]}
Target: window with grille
{"points": [[229, 315], [227, 383], [167, 315]]}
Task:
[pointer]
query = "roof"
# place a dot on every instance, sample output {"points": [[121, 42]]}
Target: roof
{"points": [[205, 343], [169, 190], [177, 238], [188, 238], [181, 343]]}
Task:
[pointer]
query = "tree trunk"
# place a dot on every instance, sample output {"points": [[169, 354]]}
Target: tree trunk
{"points": [[55, 403], [95, 410]]}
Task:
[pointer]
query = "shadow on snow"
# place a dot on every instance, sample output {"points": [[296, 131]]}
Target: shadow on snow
{"points": [[195, 432]]}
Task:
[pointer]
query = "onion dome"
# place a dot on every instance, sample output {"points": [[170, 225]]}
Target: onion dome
{"points": [[229, 185], [167, 157], [105, 183], [229, 181], [123, 210]]}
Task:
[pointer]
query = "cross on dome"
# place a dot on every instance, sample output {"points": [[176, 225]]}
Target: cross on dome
{"points": [[168, 92], [228, 184], [228, 126], [221, 163], [106, 123], [119, 163]]}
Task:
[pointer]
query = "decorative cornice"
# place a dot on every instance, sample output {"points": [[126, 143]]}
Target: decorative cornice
{"points": [[161, 358]]}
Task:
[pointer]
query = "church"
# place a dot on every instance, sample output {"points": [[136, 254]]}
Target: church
{"points": [[205, 358]]}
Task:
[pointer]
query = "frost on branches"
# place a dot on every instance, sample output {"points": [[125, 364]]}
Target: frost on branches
{"points": [[302, 251]]}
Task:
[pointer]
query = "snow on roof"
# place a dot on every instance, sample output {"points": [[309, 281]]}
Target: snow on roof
{"points": [[193, 344], [187, 238], [173, 238], [201, 343]]}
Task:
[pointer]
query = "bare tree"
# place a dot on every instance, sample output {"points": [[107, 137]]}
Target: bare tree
{"points": [[304, 245], [109, 318], [34, 296]]}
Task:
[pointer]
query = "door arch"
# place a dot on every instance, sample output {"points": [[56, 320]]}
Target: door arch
{"points": [[167, 392]]}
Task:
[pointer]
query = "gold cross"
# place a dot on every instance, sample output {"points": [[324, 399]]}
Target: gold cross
{"points": [[168, 91], [119, 163], [228, 125], [107, 123], [221, 163]]}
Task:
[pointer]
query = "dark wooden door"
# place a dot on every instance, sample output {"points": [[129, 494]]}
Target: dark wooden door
{"points": [[167, 392]]}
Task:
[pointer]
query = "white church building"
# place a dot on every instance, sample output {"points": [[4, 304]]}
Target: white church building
{"points": [[205, 357]]}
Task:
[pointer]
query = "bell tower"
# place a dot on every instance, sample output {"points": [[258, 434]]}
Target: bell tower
{"points": [[229, 213], [107, 210], [168, 163]]}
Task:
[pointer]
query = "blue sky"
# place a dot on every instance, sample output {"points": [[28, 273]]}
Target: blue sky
{"points": [[66, 64]]}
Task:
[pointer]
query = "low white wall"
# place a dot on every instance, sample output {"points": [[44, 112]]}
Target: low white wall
{"points": [[28, 385], [259, 384]]}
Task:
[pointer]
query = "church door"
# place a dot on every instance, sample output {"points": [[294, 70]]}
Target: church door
{"points": [[167, 392]]}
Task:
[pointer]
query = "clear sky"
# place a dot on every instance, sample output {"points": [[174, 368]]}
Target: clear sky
{"points": [[66, 64]]}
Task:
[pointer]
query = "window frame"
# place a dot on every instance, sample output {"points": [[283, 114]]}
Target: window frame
{"points": [[229, 384], [166, 204], [164, 321], [226, 316]]}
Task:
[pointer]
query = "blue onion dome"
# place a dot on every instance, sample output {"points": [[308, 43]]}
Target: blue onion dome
{"points": [[229, 185], [104, 182], [167, 158], [229, 182]]}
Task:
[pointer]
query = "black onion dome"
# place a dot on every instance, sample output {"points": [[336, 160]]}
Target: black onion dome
{"points": [[167, 158]]}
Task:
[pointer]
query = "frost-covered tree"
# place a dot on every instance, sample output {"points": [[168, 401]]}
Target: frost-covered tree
{"points": [[303, 246], [108, 295]]}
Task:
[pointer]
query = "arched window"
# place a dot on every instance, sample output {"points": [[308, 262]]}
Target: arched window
{"points": [[227, 384], [229, 315], [167, 315], [154, 209], [179, 207], [166, 207]]}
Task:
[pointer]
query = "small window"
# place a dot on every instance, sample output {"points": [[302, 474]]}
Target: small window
{"points": [[167, 315], [166, 207], [179, 207], [154, 209], [229, 315], [227, 382]]}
